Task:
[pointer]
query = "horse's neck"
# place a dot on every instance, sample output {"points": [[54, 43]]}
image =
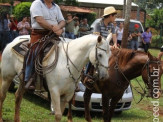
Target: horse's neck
{"points": [[134, 66], [79, 49]]}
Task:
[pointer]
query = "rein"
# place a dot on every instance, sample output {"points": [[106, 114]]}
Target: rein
{"points": [[68, 66], [145, 65]]}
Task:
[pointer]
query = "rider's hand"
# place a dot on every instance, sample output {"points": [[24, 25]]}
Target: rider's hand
{"points": [[55, 28], [114, 46], [59, 32]]}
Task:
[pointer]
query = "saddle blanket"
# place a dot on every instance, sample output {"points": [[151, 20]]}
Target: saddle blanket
{"points": [[22, 47]]}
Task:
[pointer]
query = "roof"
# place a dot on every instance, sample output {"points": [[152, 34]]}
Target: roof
{"points": [[118, 4], [75, 9], [8, 4]]}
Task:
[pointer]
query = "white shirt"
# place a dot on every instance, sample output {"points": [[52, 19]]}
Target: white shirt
{"points": [[52, 15], [119, 34], [76, 29]]}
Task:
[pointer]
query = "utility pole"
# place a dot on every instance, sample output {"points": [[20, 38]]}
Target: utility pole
{"points": [[126, 24]]}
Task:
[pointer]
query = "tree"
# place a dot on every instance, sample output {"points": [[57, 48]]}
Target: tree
{"points": [[22, 10], [156, 19], [126, 24], [124, 8]]}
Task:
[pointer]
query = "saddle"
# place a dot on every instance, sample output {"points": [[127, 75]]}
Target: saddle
{"points": [[49, 46], [22, 48]]}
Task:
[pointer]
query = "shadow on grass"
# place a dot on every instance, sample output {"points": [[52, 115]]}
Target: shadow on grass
{"points": [[35, 100], [125, 115]]}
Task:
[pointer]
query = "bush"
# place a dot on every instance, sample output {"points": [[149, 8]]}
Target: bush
{"points": [[156, 41], [22, 9]]}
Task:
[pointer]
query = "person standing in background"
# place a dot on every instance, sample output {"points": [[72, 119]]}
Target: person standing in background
{"points": [[69, 28], [135, 34], [5, 31], [23, 27], [119, 34], [13, 27], [76, 29], [84, 27], [146, 39], [115, 26]]}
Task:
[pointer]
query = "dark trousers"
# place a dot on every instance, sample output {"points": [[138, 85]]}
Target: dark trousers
{"points": [[146, 47]]}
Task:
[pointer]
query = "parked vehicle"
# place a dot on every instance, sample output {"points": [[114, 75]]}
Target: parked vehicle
{"points": [[131, 28], [96, 100]]}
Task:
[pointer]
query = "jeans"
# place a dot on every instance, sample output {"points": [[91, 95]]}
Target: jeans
{"points": [[134, 44], [29, 66], [69, 35]]}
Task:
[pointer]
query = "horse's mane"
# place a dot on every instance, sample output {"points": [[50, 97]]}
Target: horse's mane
{"points": [[125, 55]]}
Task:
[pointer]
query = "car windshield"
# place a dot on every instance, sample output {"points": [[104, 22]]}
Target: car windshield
{"points": [[131, 26]]}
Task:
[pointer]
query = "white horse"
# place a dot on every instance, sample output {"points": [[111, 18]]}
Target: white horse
{"points": [[60, 83]]}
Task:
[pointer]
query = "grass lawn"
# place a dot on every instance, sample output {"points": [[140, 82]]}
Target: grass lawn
{"points": [[35, 109]]}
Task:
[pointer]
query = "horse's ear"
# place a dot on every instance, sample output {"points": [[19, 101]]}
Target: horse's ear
{"points": [[99, 39]]}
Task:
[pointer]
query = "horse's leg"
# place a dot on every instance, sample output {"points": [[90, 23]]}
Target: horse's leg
{"points": [[18, 98], [55, 99], [69, 114], [87, 97], [5, 86], [105, 107], [113, 104]]}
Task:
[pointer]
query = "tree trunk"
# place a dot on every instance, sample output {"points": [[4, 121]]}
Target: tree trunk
{"points": [[126, 24], [124, 8]]}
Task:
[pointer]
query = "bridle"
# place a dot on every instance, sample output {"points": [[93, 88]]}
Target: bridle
{"points": [[146, 65], [97, 63]]}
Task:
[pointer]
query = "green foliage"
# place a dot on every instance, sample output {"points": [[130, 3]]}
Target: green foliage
{"points": [[22, 9], [156, 19], [156, 41], [3, 10], [91, 17]]}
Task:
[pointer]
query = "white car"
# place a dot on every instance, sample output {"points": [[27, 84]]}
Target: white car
{"points": [[96, 100]]}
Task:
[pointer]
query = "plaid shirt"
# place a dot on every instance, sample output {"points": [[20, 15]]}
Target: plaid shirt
{"points": [[104, 30]]}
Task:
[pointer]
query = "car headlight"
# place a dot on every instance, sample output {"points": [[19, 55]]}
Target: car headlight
{"points": [[81, 87], [128, 90]]}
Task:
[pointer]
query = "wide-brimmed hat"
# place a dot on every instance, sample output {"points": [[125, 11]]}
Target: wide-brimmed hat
{"points": [[109, 10], [12, 15], [69, 14]]}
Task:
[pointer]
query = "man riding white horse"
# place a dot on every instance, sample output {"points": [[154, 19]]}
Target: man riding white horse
{"points": [[46, 16]]}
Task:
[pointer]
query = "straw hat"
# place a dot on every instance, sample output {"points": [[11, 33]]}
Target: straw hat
{"points": [[69, 14], [12, 15], [109, 10]]}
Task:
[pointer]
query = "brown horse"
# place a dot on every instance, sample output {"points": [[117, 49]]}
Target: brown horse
{"points": [[124, 65]]}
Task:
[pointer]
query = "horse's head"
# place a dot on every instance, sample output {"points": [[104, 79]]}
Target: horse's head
{"points": [[151, 75], [99, 57]]}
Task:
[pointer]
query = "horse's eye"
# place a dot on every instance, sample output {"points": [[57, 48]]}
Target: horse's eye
{"points": [[100, 55]]}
